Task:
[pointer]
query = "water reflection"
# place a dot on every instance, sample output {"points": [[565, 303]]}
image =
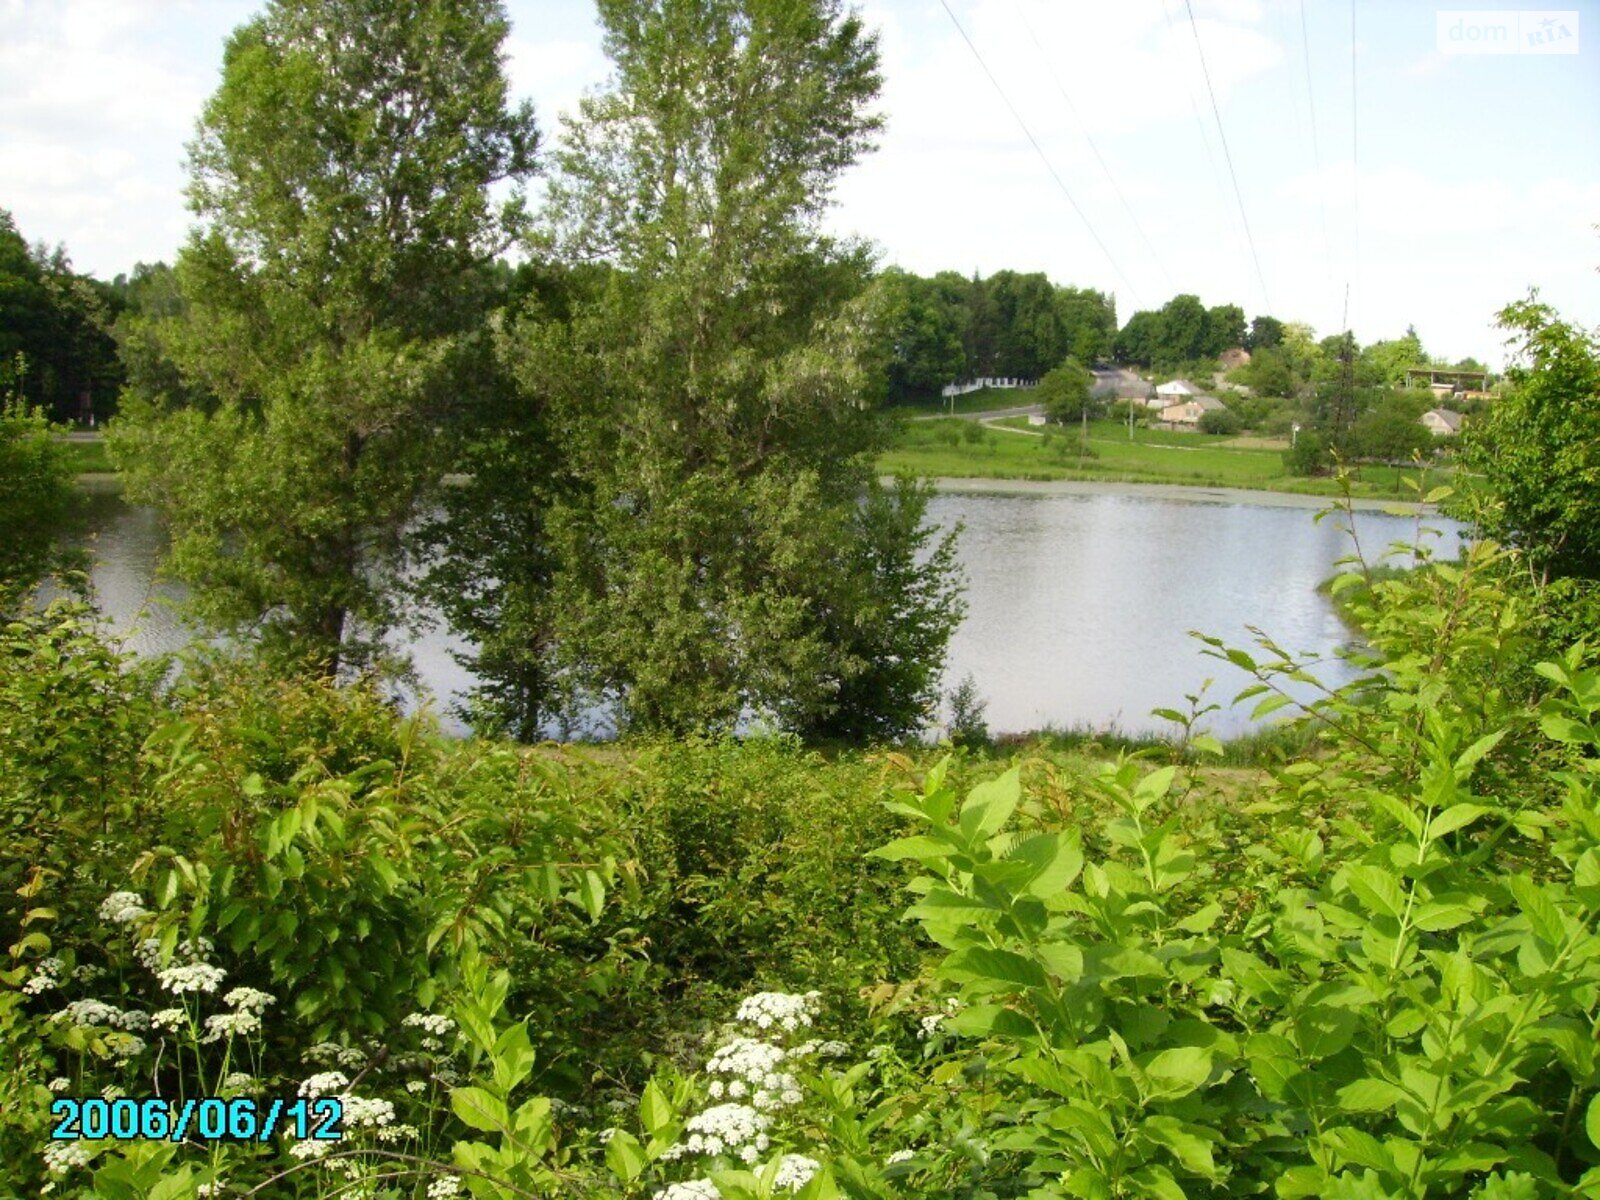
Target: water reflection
{"points": [[1079, 606]]}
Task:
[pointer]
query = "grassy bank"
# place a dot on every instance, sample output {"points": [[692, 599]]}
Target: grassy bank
{"points": [[952, 449], [986, 400], [89, 458]]}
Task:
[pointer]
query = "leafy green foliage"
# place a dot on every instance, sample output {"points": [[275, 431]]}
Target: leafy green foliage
{"points": [[347, 208], [1064, 392], [36, 498], [707, 539], [1540, 445]]}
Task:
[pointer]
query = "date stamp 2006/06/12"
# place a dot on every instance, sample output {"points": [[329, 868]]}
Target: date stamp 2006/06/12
{"points": [[211, 1119]]}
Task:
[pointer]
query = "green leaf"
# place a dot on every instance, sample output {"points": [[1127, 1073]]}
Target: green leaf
{"points": [[1056, 859], [1370, 1095], [655, 1113], [987, 964], [532, 1126], [1269, 705], [1457, 816], [479, 1109], [1323, 1031], [592, 894], [513, 1058], [1377, 890], [990, 804], [1178, 1071], [985, 1020], [1536, 905], [1472, 754], [1182, 1141], [921, 848], [1591, 1122]]}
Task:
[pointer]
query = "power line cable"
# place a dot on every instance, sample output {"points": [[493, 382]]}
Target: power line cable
{"points": [[1205, 143], [1355, 160], [1093, 146], [1227, 154], [1316, 143], [1028, 133]]}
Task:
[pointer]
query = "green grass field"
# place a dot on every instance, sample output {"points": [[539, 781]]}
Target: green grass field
{"points": [[88, 457], [987, 400], [943, 448]]}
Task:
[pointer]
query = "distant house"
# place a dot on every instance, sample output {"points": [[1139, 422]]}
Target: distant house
{"points": [[1175, 390], [1234, 357], [1189, 412], [1442, 422], [1111, 383], [1037, 419]]}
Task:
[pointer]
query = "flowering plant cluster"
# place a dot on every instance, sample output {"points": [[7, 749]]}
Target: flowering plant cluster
{"points": [[194, 1036], [755, 1080]]}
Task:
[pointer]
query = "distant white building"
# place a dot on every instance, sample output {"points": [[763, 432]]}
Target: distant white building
{"points": [[1177, 389], [977, 385]]}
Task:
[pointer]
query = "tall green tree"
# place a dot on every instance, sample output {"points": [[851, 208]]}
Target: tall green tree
{"points": [[1539, 446], [1066, 392], [36, 497], [721, 545], [342, 174], [1225, 328], [1265, 333]]}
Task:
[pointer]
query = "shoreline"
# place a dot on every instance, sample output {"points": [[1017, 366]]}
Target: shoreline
{"points": [[108, 481], [1191, 493]]}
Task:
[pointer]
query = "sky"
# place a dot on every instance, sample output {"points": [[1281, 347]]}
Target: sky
{"points": [[1257, 154]]}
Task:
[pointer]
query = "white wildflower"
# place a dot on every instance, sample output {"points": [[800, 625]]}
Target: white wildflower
{"points": [[249, 999], [88, 1014], [795, 1171], [326, 1083], [46, 975], [169, 1018], [605, 1135], [396, 1133], [360, 1111], [432, 1043], [124, 1046], [310, 1148], [207, 1190], [693, 1189], [930, 1026], [61, 1157], [60, 1084], [899, 1156], [749, 1154], [121, 907], [232, 1024], [728, 1125], [325, 1052], [149, 953], [417, 1086], [434, 1023], [783, 1010], [239, 1081], [196, 977], [112, 1092], [444, 1187], [196, 949], [87, 973], [352, 1059], [833, 1049]]}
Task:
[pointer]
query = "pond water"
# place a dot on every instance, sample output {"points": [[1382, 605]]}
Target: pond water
{"points": [[1079, 605]]}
